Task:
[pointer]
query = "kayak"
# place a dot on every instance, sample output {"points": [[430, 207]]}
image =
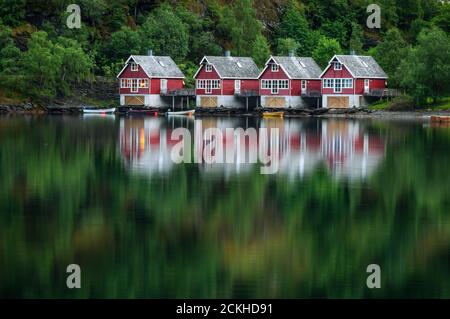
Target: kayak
{"points": [[188, 112], [273, 114], [99, 111]]}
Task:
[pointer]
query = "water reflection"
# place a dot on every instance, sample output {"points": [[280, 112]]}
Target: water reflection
{"points": [[346, 148], [77, 190]]}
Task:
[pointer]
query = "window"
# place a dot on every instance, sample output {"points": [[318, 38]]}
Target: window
{"points": [[302, 64], [123, 83], [337, 85], [134, 67], [347, 83], [209, 68], [208, 85], [143, 83], [275, 67], [304, 85], [274, 85], [328, 83], [337, 66], [134, 85], [239, 64]]}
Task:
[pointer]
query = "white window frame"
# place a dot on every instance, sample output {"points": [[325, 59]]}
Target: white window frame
{"points": [[208, 68], [328, 83], [347, 83], [134, 66], [366, 87], [145, 81], [275, 67], [134, 85], [304, 85], [123, 83], [275, 87], [337, 66], [237, 86], [337, 89]]}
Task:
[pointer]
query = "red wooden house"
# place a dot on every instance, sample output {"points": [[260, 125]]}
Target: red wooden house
{"points": [[350, 80], [146, 80], [289, 82], [225, 80]]}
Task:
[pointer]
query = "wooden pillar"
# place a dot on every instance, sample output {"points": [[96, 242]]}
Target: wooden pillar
{"points": [[173, 103], [246, 103]]}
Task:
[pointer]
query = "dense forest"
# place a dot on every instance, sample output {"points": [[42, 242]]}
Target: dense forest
{"points": [[38, 49]]}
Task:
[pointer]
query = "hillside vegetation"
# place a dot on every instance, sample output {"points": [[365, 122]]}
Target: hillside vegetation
{"points": [[38, 50]]}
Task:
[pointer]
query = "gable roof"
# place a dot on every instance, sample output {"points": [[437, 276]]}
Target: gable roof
{"points": [[156, 66], [297, 67], [232, 67], [360, 66]]}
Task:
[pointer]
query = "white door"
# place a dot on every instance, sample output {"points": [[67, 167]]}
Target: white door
{"points": [[237, 86], [208, 86], [275, 87], [163, 86], [304, 86], [337, 86], [366, 85]]}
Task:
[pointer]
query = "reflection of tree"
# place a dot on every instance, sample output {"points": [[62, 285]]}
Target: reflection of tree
{"points": [[66, 197]]}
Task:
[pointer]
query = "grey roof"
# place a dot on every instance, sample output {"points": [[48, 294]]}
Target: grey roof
{"points": [[362, 66], [234, 67], [299, 67], [158, 66]]}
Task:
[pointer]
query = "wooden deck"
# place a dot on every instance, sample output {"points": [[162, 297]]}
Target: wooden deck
{"points": [[383, 93], [179, 93]]}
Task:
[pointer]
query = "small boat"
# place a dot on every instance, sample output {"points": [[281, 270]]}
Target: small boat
{"points": [[98, 110], [273, 114], [188, 112], [440, 119]]}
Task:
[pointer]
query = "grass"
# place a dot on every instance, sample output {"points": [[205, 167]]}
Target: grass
{"points": [[404, 103]]}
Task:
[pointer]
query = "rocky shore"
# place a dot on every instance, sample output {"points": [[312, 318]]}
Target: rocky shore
{"points": [[72, 109]]}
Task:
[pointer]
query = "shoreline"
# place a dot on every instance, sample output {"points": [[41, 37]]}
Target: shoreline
{"points": [[363, 113]]}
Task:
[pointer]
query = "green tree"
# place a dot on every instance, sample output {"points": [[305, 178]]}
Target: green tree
{"points": [[356, 38], [294, 26], [12, 12], [67, 51], [246, 29], [261, 50], [203, 44], [325, 50], [40, 67], [165, 33], [425, 73], [123, 43], [286, 46], [390, 53]]}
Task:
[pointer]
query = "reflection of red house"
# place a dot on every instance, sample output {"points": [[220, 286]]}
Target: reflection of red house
{"points": [[350, 79], [289, 82]]}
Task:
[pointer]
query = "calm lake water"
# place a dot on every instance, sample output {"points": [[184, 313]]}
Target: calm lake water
{"points": [[104, 193]]}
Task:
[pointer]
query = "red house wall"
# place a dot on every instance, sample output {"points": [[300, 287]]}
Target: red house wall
{"points": [[314, 85], [228, 87], [373, 84], [203, 75], [252, 84], [340, 74], [296, 87], [172, 84], [268, 74], [128, 74]]}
